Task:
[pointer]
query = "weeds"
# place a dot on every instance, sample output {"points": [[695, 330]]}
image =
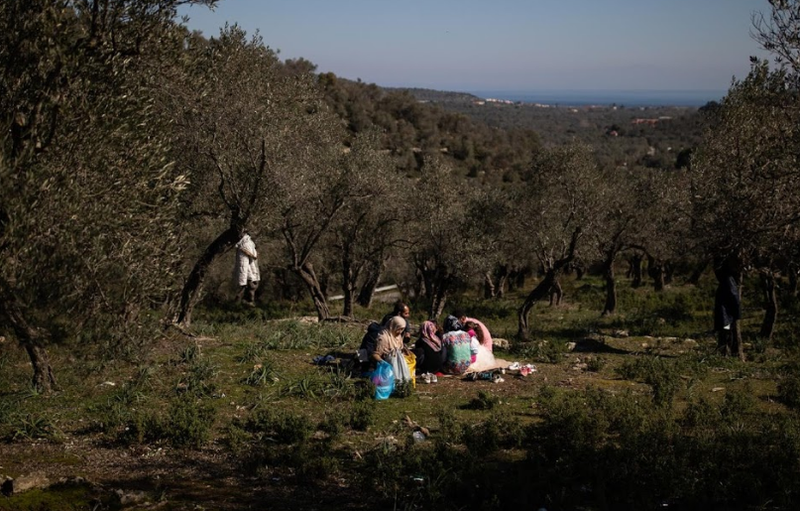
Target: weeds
{"points": [[33, 426], [279, 426], [362, 415], [539, 351], [261, 374], [483, 401], [199, 379], [789, 390]]}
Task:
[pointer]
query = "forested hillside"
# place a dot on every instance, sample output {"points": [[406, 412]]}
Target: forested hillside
{"points": [[346, 185], [137, 157]]}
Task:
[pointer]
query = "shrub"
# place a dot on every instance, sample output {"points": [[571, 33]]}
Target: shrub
{"points": [[403, 389], [362, 415], [662, 376], [595, 364], [483, 401], [282, 427], [789, 390], [188, 422]]}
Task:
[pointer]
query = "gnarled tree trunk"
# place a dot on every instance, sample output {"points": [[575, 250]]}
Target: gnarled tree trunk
{"points": [[635, 271], [502, 277], [489, 290], [30, 338], [308, 275], [611, 285], [540, 292], [657, 271], [556, 293], [370, 284], [771, 303], [194, 284]]}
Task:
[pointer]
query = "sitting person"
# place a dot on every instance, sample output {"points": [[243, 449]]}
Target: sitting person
{"points": [[484, 337], [474, 343], [457, 343], [429, 350], [390, 347], [402, 310], [364, 359]]}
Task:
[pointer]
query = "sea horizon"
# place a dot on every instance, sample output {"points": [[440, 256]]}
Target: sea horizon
{"points": [[600, 97]]}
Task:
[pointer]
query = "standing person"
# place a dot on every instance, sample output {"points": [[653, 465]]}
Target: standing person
{"points": [[457, 343], [727, 307], [429, 350], [246, 271]]}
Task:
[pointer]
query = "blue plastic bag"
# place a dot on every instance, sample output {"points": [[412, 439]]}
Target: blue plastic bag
{"points": [[383, 379]]}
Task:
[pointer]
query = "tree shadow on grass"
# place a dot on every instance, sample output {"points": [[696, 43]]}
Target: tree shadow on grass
{"points": [[595, 346]]}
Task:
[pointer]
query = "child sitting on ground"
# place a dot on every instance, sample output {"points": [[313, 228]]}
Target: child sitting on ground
{"points": [[473, 339]]}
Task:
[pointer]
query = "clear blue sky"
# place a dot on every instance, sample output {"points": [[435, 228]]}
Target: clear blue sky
{"points": [[507, 45]]}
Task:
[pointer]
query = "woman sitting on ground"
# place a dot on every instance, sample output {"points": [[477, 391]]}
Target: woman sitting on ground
{"points": [[457, 343], [389, 346], [402, 310], [429, 350]]}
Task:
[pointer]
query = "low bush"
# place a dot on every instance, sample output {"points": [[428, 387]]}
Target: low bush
{"points": [[280, 426], [188, 422]]}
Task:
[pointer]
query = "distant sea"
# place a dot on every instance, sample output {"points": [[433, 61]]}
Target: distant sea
{"points": [[688, 98]]}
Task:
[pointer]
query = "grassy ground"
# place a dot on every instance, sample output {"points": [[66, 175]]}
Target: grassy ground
{"points": [[633, 411]]}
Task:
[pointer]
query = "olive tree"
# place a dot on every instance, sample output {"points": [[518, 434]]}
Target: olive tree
{"points": [[558, 208], [88, 191], [746, 179], [370, 228], [248, 131], [445, 252]]}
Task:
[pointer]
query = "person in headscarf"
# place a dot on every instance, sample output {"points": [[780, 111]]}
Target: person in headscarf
{"points": [[390, 340], [402, 310], [246, 271], [457, 343], [429, 350]]}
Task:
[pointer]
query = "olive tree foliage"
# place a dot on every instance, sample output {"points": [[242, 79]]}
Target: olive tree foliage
{"points": [[88, 192], [746, 178], [558, 211], [662, 233], [619, 216], [370, 228], [779, 32], [493, 229], [445, 250], [248, 131]]}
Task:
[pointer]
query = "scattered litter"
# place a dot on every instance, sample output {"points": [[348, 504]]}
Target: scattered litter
{"points": [[108, 384], [717, 389], [527, 369], [484, 375], [514, 367], [418, 436], [323, 359], [498, 379]]}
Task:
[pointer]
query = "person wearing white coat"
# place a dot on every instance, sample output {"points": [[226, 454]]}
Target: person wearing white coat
{"points": [[245, 271]]}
